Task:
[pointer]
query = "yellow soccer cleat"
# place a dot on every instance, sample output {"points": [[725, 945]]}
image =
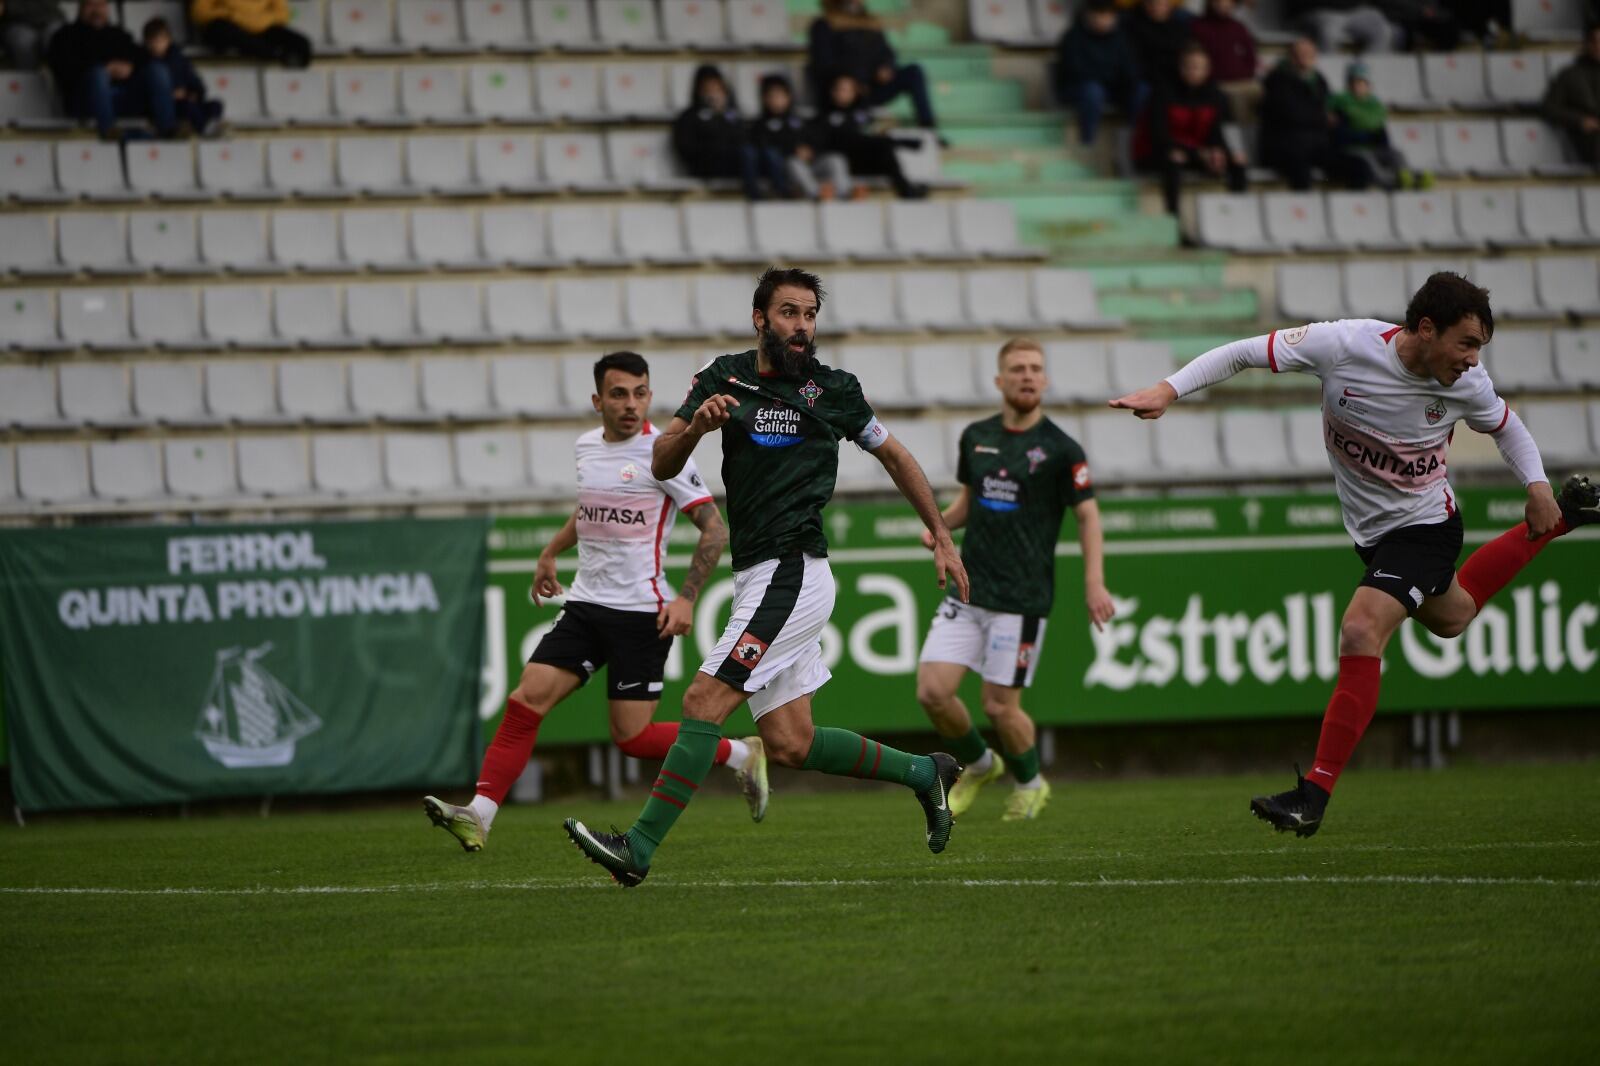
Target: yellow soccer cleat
{"points": [[966, 789], [1026, 803], [461, 822], [753, 779]]}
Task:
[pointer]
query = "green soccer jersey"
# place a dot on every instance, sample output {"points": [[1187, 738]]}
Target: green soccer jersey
{"points": [[780, 451], [1019, 486]]}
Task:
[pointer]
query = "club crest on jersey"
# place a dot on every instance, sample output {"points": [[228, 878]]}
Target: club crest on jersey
{"points": [[1433, 412], [812, 392], [628, 473], [1036, 455], [748, 650]]}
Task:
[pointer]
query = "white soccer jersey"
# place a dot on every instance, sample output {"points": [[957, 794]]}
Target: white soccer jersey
{"points": [[624, 518], [1387, 430]]}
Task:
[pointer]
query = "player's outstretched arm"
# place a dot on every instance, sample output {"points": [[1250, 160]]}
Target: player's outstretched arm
{"points": [[545, 583], [677, 617], [675, 444], [1092, 538], [908, 477], [955, 516], [1219, 364]]}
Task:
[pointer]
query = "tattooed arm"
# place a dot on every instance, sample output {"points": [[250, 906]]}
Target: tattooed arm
{"points": [[676, 617]]}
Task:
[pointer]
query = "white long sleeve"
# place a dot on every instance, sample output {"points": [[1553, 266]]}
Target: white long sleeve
{"points": [[1519, 450], [1220, 364]]}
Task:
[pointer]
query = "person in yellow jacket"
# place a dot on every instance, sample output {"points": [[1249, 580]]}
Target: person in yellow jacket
{"points": [[255, 28]]}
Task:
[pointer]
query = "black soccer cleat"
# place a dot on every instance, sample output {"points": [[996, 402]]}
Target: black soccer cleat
{"points": [[1579, 501], [610, 850], [1300, 808], [936, 800]]}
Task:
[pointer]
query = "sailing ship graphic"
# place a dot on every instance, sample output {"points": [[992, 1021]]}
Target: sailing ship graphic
{"points": [[250, 719]]}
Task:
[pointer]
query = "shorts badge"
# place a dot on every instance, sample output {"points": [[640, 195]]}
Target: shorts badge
{"points": [[748, 650], [1024, 656]]}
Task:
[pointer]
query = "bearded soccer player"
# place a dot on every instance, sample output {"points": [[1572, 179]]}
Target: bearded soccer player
{"points": [[1391, 396], [621, 614], [1019, 474], [782, 415]]}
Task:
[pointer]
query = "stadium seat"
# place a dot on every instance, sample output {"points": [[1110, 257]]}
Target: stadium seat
{"points": [[28, 397], [931, 299], [694, 24], [652, 233], [719, 232], [941, 374], [1068, 298], [759, 24], [520, 310], [1050, 20], [1373, 288], [569, 90], [660, 307], [1537, 146], [92, 169], [1078, 371], [94, 318], [300, 165], [502, 91], [365, 26], [550, 460], [165, 241], [1511, 282], [1120, 448], [864, 300], [1297, 220], [1515, 79], [999, 299], [167, 318], [164, 169], [96, 394], [273, 465], [238, 315], [8, 475], [442, 166], [310, 17], [526, 385], [644, 158], [635, 91], [1568, 285], [28, 321], [1307, 453], [1310, 292], [1455, 79], [200, 468], [722, 304], [1548, 20], [1589, 198], [429, 25], [1187, 442], [384, 388], [590, 308], [450, 312], [433, 94], [239, 91], [28, 172], [509, 163], [496, 25], [576, 161], [1253, 441], [314, 390], [298, 97], [25, 96], [1489, 214], [514, 236], [789, 231], [242, 391], [628, 24], [1473, 147], [309, 315], [1428, 220], [1551, 213], [1006, 22], [1231, 221], [126, 470], [447, 238], [1362, 220], [372, 165], [169, 393], [568, 27], [52, 473], [1136, 365], [855, 230], [28, 246], [1561, 428], [95, 242], [921, 229], [1519, 360], [1418, 141], [577, 382], [584, 234], [375, 240], [881, 369], [490, 460], [1577, 357], [1419, 270], [988, 228], [306, 240], [418, 463], [347, 465], [928, 441], [1397, 80], [235, 169]]}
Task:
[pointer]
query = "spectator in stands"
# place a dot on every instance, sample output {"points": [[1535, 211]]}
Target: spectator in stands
{"points": [[1297, 126], [1095, 65], [1572, 100], [817, 176], [26, 27], [188, 91], [1228, 42], [1336, 23], [101, 73], [847, 39], [1182, 129], [711, 140], [843, 126], [258, 29], [1157, 30], [1363, 129]]}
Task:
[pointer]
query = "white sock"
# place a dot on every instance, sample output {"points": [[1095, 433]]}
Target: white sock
{"points": [[1029, 786], [739, 755], [983, 764], [486, 809]]}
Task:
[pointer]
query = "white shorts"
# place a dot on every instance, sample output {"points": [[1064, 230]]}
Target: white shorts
{"points": [[1002, 648], [772, 647]]}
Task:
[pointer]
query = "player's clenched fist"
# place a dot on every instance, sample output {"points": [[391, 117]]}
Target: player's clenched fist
{"points": [[1148, 403], [714, 413]]}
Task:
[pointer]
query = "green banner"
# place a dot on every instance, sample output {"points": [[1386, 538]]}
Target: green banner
{"points": [[163, 664], [1228, 607]]}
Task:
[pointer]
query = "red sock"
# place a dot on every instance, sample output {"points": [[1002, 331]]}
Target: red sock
{"points": [[1491, 567], [508, 753], [1349, 713], [658, 737]]}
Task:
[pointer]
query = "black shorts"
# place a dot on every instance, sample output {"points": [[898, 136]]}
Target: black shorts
{"points": [[587, 636], [1414, 561]]}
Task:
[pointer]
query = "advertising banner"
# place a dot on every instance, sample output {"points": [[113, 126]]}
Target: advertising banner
{"points": [[163, 664], [1228, 607]]}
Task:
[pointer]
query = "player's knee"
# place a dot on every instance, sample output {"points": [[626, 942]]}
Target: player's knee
{"points": [[999, 708], [623, 735], [1359, 635], [932, 695]]}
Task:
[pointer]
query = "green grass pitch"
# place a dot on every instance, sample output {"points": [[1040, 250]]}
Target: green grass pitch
{"points": [[1450, 917]]}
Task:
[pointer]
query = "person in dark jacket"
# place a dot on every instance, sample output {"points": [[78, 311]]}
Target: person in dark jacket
{"points": [[1227, 41], [1572, 100], [1182, 129], [1157, 30], [188, 91], [26, 27], [843, 125], [781, 130], [101, 73], [846, 39], [711, 140], [1297, 125], [1095, 66]]}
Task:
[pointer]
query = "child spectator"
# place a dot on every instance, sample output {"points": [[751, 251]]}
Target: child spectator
{"points": [[26, 27], [1297, 127], [258, 29], [1182, 130], [188, 91], [1094, 66], [843, 126], [847, 39], [1363, 129], [101, 74], [711, 140], [779, 130]]}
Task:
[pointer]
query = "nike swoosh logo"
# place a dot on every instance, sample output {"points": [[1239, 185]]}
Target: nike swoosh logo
{"points": [[630, 684], [1391, 577], [1356, 395], [1321, 771]]}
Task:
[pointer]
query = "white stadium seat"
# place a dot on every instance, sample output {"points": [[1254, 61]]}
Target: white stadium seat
{"points": [[1510, 285], [431, 25], [569, 27], [52, 473], [1551, 213], [242, 390], [1428, 219], [126, 470], [1121, 447], [418, 463], [170, 393], [1187, 442], [234, 168], [1231, 221], [1520, 360], [942, 374], [165, 241], [347, 464], [96, 394], [1577, 357], [1561, 428], [92, 169], [1569, 285], [1362, 220], [495, 24], [296, 96], [200, 468], [932, 299], [1137, 365], [306, 240], [314, 390], [273, 466], [1297, 220], [164, 169], [1078, 371], [1310, 292], [526, 385], [490, 460], [383, 388], [1253, 441], [1488, 213], [1373, 288], [1456, 79]]}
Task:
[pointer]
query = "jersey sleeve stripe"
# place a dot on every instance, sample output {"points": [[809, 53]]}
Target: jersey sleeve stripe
{"points": [[1272, 360], [692, 504], [1504, 418]]}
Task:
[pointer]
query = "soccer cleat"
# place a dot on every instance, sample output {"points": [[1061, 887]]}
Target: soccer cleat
{"points": [[1026, 803], [610, 850], [1300, 808], [752, 780], [936, 800], [1579, 501], [966, 789], [462, 823]]}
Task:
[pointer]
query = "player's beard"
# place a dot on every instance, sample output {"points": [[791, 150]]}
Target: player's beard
{"points": [[789, 363]]}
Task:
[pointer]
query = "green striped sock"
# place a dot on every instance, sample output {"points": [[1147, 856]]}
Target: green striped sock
{"points": [[846, 754], [1024, 767], [968, 749], [687, 764]]}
